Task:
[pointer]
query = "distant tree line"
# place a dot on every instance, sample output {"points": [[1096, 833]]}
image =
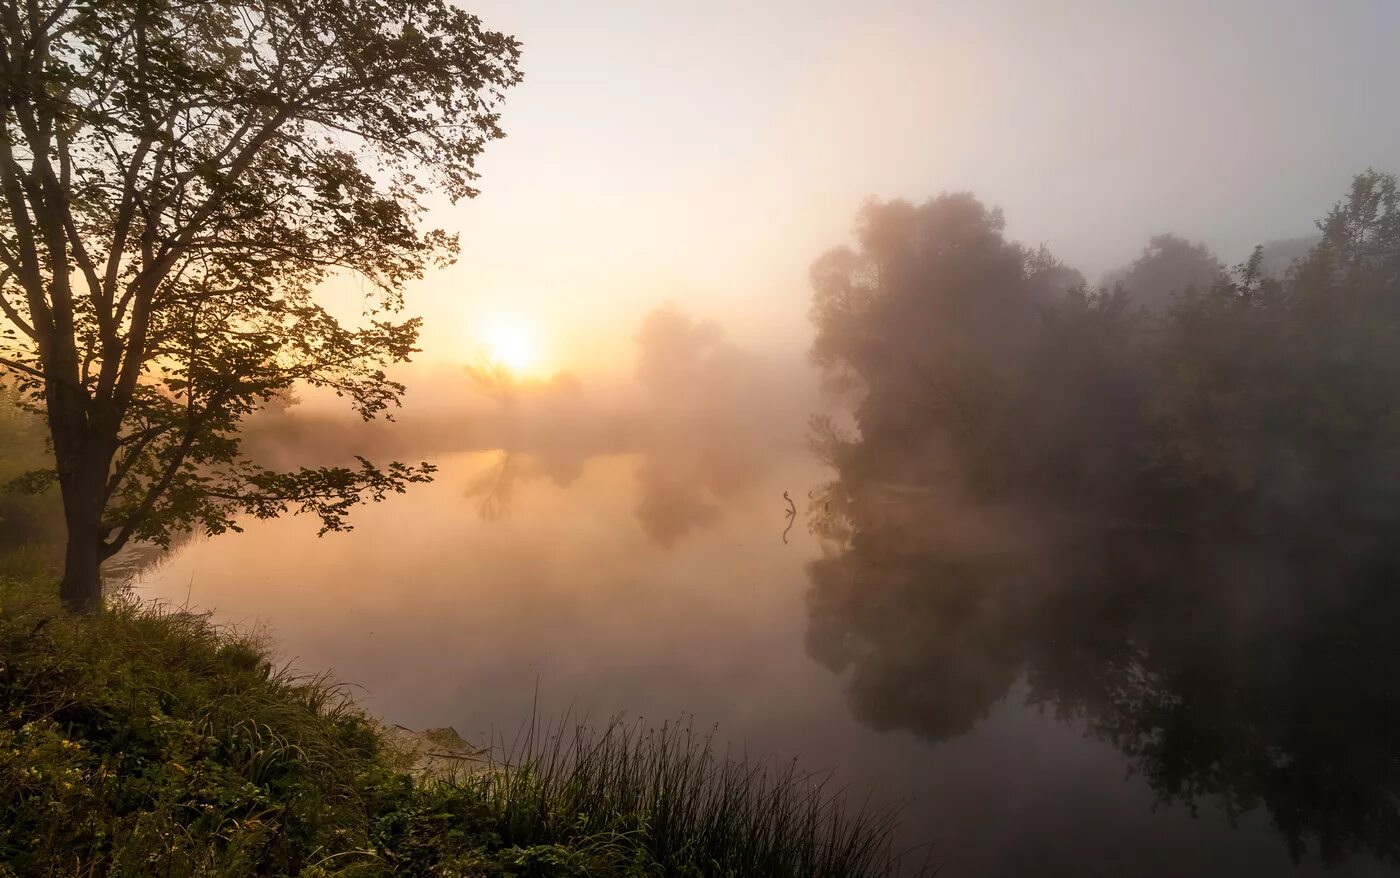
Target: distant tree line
{"points": [[1238, 399]]}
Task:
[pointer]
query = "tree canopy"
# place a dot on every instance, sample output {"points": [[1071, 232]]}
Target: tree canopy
{"points": [[177, 180], [1255, 402], [1168, 267]]}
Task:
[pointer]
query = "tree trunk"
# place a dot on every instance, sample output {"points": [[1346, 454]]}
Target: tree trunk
{"points": [[81, 587], [84, 458], [83, 487]]}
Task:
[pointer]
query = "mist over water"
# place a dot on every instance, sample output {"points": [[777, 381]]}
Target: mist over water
{"points": [[996, 406], [1026, 578], [1016, 568], [998, 732]]}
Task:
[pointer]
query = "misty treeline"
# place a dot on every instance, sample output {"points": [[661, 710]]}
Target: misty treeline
{"points": [[699, 420], [1246, 401], [1171, 520]]}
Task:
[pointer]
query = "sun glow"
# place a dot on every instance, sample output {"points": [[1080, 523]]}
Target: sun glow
{"points": [[513, 345]]}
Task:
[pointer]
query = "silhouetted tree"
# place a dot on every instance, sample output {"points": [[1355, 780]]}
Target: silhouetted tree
{"points": [[492, 378], [1276, 402], [932, 322], [1253, 402], [176, 179], [1168, 266]]}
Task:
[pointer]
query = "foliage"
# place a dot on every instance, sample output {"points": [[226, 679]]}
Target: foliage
{"points": [[177, 179], [1168, 267], [1173, 524], [147, 738], [1255, 403]]}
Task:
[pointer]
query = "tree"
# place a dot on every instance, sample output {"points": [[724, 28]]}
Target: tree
{"points": [[492, 377], [177, 178], [677, 353], [1168, 266], [930, 321]]}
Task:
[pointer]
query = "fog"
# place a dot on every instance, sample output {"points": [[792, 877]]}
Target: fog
{"points": [[689, 384], [707, 153], [997, 404]]}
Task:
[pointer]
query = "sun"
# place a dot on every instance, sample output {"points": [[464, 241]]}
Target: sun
{"points": [[513, 345]]}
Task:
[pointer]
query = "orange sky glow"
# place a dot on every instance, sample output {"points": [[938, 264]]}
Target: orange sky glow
{"points": [[706, 153]]}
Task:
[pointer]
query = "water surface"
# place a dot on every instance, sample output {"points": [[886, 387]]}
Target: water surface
{"points": [[660, 585]]}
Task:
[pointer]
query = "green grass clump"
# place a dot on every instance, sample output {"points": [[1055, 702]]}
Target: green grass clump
{"points": [[145, 741], [691, 811]]}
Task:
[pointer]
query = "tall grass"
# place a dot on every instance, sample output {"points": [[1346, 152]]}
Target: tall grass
{"points": [[148, 741], [691, 808]]}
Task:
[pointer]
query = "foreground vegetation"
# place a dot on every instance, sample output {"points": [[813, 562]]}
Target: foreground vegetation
{"points": [[144, 741]]}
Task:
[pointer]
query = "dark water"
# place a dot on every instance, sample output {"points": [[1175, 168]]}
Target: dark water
{"points": [[1038, 717]]}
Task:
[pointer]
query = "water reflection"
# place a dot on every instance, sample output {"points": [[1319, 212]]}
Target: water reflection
{"points": [[1240, 673], [681, 486], [440, 618], [494, 487]]}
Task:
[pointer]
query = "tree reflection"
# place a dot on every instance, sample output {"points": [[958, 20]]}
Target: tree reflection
{"points": [[684, 483], [494, 486], [1245, 672]]}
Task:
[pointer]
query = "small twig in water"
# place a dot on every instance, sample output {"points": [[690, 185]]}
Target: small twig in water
{"points": [[791, 516]]}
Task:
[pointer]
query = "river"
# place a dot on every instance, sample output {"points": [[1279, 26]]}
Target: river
{"points": [[664, 587]]}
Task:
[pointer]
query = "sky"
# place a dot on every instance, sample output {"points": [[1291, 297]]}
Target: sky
{"points": [[706, 153]]}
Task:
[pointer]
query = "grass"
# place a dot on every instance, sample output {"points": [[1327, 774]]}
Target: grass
{"points": [[692, 811], [148, 742]]}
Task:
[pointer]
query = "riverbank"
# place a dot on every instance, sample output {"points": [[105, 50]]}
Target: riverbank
{"points": [[147, 741]]}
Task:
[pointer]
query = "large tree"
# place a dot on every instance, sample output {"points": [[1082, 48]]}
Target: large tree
{"points": [[176, 178], [1169, 266], [931, 322]]}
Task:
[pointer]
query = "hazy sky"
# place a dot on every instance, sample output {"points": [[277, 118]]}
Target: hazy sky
{"points": [[707, 152]]}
